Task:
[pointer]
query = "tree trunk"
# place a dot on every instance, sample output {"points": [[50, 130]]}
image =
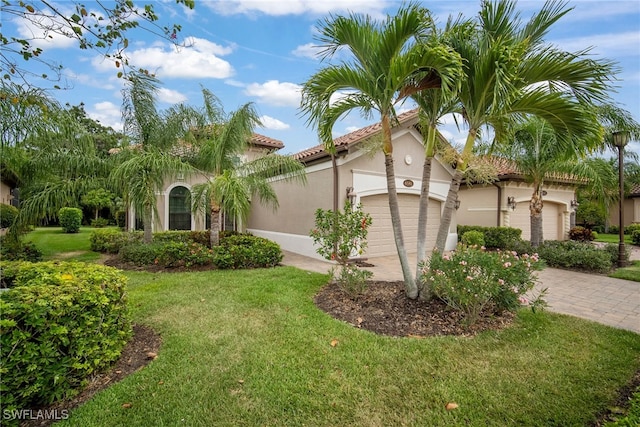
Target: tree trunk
{"points": [[449, 208], [411, 288], [146, 221], [535, 208], [424, 290], [214, 232]]}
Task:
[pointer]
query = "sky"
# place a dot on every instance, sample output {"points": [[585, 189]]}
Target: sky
{"points": [[262, 51]]}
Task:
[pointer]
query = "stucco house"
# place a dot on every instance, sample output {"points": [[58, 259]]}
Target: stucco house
{"points": [[173, 202], [631, 206], [505, 202], [361, 178]]}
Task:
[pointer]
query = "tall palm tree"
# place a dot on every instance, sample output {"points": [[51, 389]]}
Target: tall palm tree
{"points": [[143, 167], [221, 142], [385, 65], [511, 73]]}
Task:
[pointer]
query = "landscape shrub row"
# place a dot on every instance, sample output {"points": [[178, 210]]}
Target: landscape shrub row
{"points": [[12, 249], [173, 249], [61, 322], [494, 237]]}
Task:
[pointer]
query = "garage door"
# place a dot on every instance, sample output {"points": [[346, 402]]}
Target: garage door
{"points": [[521, 218], [380, 235]]}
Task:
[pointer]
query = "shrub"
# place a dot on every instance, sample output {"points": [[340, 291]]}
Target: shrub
{"points": [[494, 237], [8, 215], [635, 237], [613, 250], [121, 219], [575, 255], [629, 229], [183, 254], [581, 234], [111, 240], [99, 222], [246, 251], [60, 323], [614, 229], [470, 279], [140, 254], [473, 238], [13, 249], [201, 237], [70, 219]]}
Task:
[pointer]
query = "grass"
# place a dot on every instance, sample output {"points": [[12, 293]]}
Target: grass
{"points": [[613, 238], [58, 245], [631, 272], [250, 348]]}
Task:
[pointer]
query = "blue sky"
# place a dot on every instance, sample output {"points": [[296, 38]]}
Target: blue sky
{"points": [[261, 51]]}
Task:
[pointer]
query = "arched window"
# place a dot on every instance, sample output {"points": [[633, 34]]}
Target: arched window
{"points": [[179, 209]]}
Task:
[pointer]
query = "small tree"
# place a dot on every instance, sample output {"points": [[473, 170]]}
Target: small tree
{"points": [[340, 236], [98, 199], [70, 219]]}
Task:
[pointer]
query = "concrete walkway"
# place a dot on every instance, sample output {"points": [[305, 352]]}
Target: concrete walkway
{"points": [[613, 302]]}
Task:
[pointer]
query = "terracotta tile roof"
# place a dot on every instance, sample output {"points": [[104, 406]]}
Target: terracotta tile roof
{"points": [[506, 168], [345, 141]]}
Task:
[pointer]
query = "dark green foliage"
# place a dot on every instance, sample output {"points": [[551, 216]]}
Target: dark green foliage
{"points": [[99, 223], [473, 238], [8, 215], [183, 254], [61, 322], [201, 237], [246, 251], [581, 234], [70, 219], [629, 229], [613, 249], [635, 237], [614, 229], [494, 237], [18, 250], [121, 219], [141, 253], [581, 256], [111, 241]]}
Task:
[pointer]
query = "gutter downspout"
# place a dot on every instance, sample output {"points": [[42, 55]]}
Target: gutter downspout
{"points": [[499, 203]]}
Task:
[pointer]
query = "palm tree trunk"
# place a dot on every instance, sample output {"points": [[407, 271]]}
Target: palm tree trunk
{"points": [[424, 290], [214, 232], [146, 222], [535, 207], [411, 288], [449, 208]]}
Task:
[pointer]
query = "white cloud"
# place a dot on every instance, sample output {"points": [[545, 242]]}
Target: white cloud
{"points": [[38, 36], [297, 7], [610, 44], [273, 92], [170, 96], [199, 60], [107, 113], [273, 124], [308, 50]]}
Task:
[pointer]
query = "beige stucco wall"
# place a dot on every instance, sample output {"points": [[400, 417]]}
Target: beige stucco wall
{"points": [[479, 206], [5, 194], [631, 212]]}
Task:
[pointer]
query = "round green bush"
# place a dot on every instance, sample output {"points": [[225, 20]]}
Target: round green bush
{"points": [[473, 238], [70, 219], [61, 322], [8, 215]]}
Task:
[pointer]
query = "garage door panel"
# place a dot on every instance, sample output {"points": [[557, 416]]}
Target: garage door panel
{"points": [[521, 218], [380, 238]]}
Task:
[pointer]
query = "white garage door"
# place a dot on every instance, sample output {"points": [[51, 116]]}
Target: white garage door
{"points": [[521, 218], [380, 237]]}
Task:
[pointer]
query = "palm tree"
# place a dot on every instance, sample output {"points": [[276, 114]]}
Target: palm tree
{"points": [[143, 167], [385, 66], [231, 183], [512, 73]]}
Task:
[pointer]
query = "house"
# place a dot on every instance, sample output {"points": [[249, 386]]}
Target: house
{"points": [[173, 202], [360, 178], [505, 202], [631, 206]]}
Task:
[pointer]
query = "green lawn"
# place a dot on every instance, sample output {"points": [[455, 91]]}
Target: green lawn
{"points": [[612, 238], [58, 245], [632, 272], [249, 348]]}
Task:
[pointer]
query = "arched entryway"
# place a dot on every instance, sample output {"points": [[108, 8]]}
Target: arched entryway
{"points": [[179, 209]]}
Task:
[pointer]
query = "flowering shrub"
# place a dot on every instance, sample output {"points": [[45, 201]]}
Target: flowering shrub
{"points": [[472, 279], [340, 235]]}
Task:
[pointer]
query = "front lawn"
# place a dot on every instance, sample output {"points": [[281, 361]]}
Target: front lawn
{"points": [[55, 244], [631, 272], [613, 238], [250, 348]]}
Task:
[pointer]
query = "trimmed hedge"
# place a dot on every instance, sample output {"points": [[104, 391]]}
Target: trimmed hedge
{"points": [[494, 237], [246, 251], [111, 240], [8, 215], [576, 255], [61, 322], [70, 219]]}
